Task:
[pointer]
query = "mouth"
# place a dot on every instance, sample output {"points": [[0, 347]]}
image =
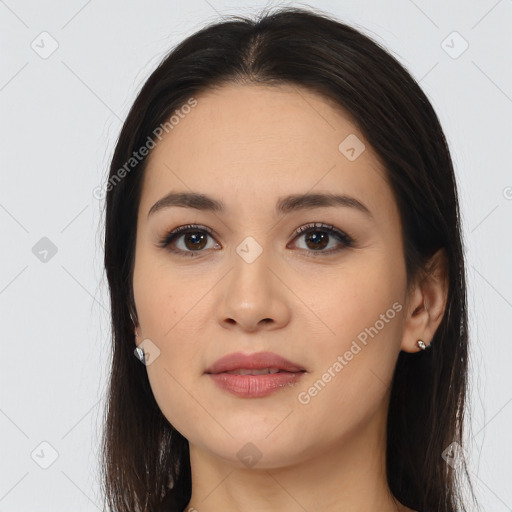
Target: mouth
{"points": [[258, 363], [262, 371], [254, 375]]}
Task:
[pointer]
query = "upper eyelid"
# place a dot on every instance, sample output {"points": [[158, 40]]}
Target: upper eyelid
{"points": [[301, 230]]}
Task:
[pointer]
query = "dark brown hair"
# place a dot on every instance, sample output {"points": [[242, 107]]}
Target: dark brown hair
{"points": [[145, 462]]}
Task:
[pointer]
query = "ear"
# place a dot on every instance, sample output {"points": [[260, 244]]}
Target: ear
{"points": [[135, 326], [426, 304]]}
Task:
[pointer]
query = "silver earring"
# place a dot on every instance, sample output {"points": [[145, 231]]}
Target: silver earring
{"points": [[421, 344], [139, 352]]}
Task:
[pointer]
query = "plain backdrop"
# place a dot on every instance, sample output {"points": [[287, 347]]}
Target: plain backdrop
{"points": [[69, 72]]}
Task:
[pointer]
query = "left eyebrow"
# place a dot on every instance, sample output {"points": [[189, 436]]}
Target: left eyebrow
{"points": [[297, 202], [284, 205]]}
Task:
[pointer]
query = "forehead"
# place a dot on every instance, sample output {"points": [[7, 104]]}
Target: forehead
{"points": [[261, 142]]}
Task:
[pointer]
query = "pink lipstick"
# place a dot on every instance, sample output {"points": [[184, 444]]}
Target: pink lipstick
{"points": [[254, 375]]}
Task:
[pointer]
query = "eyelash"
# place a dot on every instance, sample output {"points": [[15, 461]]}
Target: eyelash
{"points": [[342, 237]]}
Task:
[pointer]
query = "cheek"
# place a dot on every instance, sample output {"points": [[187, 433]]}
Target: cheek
{"points": [[174, 393], [170, 316], [361, 312], [163, 297], [351, 300], [174, 374]]}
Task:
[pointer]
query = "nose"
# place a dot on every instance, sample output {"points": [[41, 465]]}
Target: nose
{"points": [[252, 296]]}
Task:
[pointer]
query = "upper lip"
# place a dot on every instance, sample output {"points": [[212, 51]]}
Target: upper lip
{"points": [[256, 361]]}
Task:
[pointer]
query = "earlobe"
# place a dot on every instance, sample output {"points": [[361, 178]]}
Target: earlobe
{"points": [[427, 303]]}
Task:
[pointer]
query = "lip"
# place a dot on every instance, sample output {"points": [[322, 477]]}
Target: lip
{"points": [[256, 361], [254, 386]]}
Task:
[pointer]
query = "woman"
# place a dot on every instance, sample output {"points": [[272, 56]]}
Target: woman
{"points": [[284, 256]]}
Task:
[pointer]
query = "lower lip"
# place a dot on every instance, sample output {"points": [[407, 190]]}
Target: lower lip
{"points": [[254, 386]]}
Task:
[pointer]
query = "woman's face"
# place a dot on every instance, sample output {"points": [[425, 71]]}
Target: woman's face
{"points": [[253, 284]]}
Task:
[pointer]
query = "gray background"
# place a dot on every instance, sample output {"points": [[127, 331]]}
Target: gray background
{"points": [[60, 116]]}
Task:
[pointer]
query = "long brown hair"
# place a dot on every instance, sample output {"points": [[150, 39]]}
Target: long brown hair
{"points": [[145, 464]]}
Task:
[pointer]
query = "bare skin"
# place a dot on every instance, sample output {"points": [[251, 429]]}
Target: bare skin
{"points": [[247, 146]]}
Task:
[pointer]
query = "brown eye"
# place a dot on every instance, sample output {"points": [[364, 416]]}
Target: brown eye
{"points": [[318, 240], [194, 241], [187, 240], [318, 236]]}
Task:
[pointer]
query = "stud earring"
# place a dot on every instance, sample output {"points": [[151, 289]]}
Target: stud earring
{"points": [[421, 344], [139, 351]]}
